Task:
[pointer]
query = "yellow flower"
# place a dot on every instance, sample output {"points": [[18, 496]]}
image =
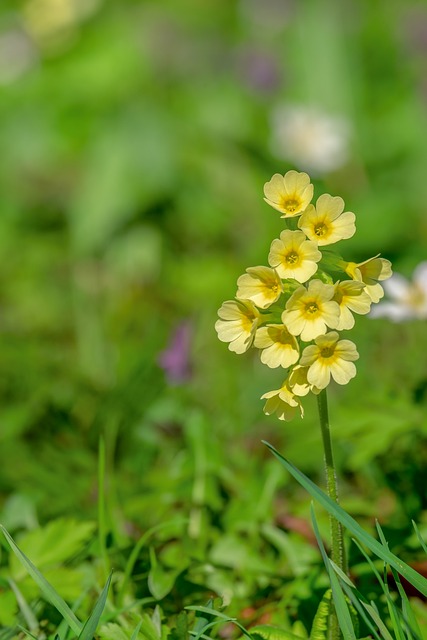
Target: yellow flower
{"points": [[330, 356], [262, 285], [290, 194], [283, 402], [293, 256], [279, 347], [370, 272], [237, 324], [351, 296], [310, 311], [326, 223], [298, 383]]}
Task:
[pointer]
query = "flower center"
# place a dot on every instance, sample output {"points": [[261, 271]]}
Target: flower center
{"points": [[320, 229], [327, 352], [290, 204], [311, 308], [292, 257]]}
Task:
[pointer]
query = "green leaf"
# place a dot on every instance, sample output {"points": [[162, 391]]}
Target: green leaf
{"points": [[48, 591], [267, 632], [53, 544], [412, 576], [221, 616], [160, 581], [92, 622], [320, 622]]}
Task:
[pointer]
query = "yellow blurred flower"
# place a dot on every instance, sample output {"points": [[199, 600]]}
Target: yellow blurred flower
{"points": [[279, 347], [351, 296], [282, 402], [237, 324], [371, 272], [293, 256], [262, 285], [290, 194], [330, 356], [326, 223], [310, 311]]}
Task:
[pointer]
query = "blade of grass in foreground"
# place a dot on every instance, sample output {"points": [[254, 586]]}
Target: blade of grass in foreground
{"points": [[48, 591], [341, 607], [412, 576], [92, 622]]}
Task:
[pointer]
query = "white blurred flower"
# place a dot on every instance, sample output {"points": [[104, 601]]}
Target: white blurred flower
{"points": [[17, 55], [408, 298], [310, 139]]}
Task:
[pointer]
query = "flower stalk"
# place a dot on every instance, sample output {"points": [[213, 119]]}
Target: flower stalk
{"points": [[337, 541]]}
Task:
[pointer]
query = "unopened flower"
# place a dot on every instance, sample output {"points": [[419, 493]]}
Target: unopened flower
{"points": [[330, 356], [279, 347], [371, 272], [310, 311], [313, 140], [290, 194], [326, 223], [262, 285], [282, 402], [351, 296], [293, 256], [408, 299], [237, 324]]}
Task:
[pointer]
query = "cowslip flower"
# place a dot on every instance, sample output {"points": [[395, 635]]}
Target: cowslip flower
{"points": [[293, 256], [408, 299], [326, 223], [262, 285], [351, 296], [279, 347], [290, 194], [237, 324], [298, 383], [371, 272], [310, 311], [299, 297], [330, 356], [282, 402]]}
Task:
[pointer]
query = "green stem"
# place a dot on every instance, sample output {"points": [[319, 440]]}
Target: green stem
{"points": [[337, 543]]}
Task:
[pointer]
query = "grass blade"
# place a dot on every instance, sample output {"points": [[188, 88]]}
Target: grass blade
{"points": [[421, 541], [92, 622], [341, 607], [136, 631], [48, 591], [25, 609], [412, 576]]}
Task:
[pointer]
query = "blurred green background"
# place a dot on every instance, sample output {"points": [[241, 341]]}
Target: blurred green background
{"points": [[136, 137]]}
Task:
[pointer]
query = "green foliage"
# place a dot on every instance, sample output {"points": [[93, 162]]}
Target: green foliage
{"points": [[135, 140]]}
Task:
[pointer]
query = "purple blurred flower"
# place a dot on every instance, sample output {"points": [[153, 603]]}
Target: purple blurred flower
{"points": [[175, 359], [258, 69]]}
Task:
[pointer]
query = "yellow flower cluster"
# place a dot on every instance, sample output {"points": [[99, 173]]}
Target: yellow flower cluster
{"points": [[306, 295]]}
